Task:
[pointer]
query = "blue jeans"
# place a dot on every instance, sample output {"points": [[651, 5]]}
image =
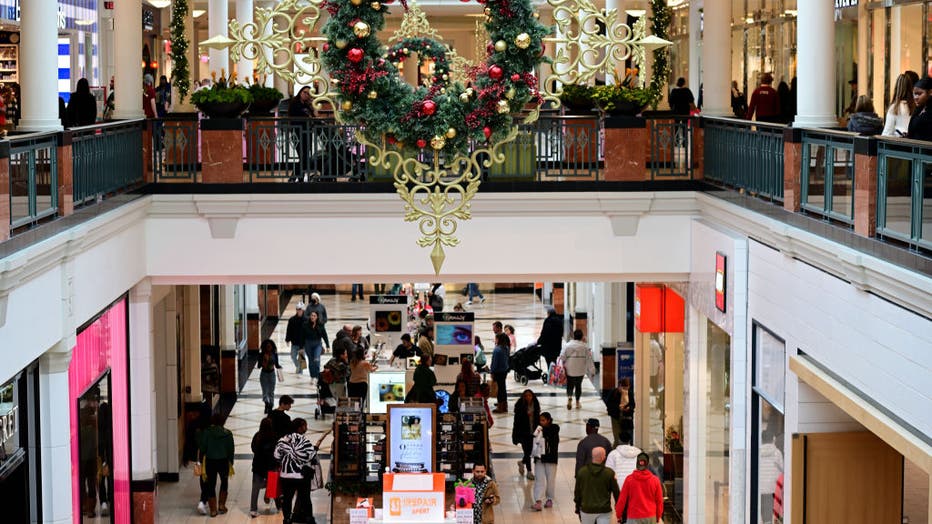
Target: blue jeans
{"points": [[313, 350], [267, 381], [295, 351], [357, 290], [472, 289]]}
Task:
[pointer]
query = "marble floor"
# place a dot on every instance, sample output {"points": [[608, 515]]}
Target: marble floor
{"points": [[177, 501]]}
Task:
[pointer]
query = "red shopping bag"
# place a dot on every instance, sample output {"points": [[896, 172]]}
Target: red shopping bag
{"points": [[271, 485]]}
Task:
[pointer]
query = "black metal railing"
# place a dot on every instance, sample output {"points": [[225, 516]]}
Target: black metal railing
{"points": [[175, 148], [827, 177], [106, 158], [904, 191], [671, 146], [744, 155], [303, 150], [33, 178]]}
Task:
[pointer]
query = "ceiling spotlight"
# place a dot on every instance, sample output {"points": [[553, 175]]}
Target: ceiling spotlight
{"points": [[196, 13]]}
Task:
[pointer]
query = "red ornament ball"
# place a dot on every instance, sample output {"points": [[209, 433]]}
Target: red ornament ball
{"points": [[354, 55], [487, 131], [429, 108], [495, 72], [392, 140], [515, 77], [326, 47], [421, 143]]}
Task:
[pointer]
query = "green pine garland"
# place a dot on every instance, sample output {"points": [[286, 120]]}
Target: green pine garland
{"points": [[181, 73], [442, 117], [662, 15]]}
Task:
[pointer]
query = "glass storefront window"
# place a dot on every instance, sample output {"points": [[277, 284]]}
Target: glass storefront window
{"points": [[763, 41], [95, 451], [769, 364], [717, 430]]}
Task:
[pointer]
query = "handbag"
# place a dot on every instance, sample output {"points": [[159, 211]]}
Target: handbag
{"points": [[280, 374], [315, 473], [493, 389], [271, 484]]}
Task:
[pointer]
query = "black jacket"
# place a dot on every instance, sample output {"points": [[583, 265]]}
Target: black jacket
{"points": [[551, 436], [523, 427], [281, 423], [263, 445], [865, 123], [294, 333], [920, 125], [551, 337], [82, 110], [614, 399]]}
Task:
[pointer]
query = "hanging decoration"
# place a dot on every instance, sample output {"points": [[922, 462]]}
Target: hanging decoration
{"points": [[181, 72]]}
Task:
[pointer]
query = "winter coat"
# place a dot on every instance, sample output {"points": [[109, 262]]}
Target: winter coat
{"points": [[216, 443], [865, 123], [294, 333], [314, 335], [614, 407], [263, 449], [623, 460], [576, 358], [642, 495], [422, 392], [546, 443], [295, 452], [499, 360], [920, 125], [524, 425], [595, 487], [551, 337], [319, 309]]}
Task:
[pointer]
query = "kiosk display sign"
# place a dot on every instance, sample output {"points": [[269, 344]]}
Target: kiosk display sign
{"points": [[411, 438], [385, 387]]}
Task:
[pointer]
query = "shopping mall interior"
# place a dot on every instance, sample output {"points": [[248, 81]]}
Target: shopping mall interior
{"points": [[762, 281]]}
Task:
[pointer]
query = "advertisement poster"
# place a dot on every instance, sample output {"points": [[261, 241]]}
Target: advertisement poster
{"points": [[625, 359], [386, 387], [410, 438]]}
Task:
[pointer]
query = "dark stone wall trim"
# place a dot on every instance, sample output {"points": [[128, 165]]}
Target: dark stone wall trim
{"points": [[143, 486]]}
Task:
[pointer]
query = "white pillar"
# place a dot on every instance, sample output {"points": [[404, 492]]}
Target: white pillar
{"points": [[55, 441], [716, 59], [218, 14], [142, 385], [39, 65], [192, 343], [127, 42], [244, 67], [816, 71], [695, 48], [165, 364]]}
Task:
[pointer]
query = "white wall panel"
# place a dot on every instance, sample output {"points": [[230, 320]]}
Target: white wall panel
{"points": [[107, 270], [33, 322]]}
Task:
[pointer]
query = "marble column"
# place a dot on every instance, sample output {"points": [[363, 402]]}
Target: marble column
{"points": [[39, 65], [127, 40], [55, 439], [218, 14], [165, 363], [142, 392], [245, 66], [815, 50], [695, 47], [192, 343], [716, 59]]}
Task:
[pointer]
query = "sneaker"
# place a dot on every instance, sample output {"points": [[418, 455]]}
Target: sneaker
{"points": [[569, 404], [481, 300], [253, 514], [548, 504], [469, 302], [202, 508], [521, 467], [104, 509], [536, 506], [578, 405], [530, 476]]}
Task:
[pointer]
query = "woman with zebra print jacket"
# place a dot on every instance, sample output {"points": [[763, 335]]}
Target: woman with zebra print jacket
{"points": [[295, 452]]}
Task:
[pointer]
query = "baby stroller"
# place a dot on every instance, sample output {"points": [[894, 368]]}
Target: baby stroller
{"points": [[526, 364], [326, 402]]}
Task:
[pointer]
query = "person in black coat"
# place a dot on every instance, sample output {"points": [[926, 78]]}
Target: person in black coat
{"points": [[263, 446], [527, 418], [551, 336], [920, 125], [620, 404], [82, 107]]}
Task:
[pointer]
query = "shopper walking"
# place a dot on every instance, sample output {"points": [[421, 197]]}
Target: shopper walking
{"points": [[526, 421], [551, 336], [422, 392], [216, 448], [294, 334], [545, 454], [901, 108], [339, 370], [360, 368], [263, 461], [641, 495], [681, 99], [765, 102], [591, 441], [486, 495], [577, 361], [318, 307], [596, 489], [315, 336], [499, 369], [268, 371], [621, 406], [623, 459], [295, 452], [281, 420], [920, 125], [472, 290]]}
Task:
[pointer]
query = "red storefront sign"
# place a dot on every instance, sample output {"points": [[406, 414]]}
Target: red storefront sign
{"points": [[658, 309]]}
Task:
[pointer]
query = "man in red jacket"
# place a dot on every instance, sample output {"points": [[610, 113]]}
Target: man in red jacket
{"points": [[641, 495]]}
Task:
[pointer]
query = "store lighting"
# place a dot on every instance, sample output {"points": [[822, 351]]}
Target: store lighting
{"points": [[84, 22], [636, 13], [197, 13], [159, 4], [790, 12]]}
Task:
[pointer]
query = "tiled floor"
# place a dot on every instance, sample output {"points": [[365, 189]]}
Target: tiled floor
{"points": [[177, 501]]}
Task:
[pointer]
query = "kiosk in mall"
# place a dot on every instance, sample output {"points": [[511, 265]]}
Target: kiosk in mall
{"points": [[453, 342]]}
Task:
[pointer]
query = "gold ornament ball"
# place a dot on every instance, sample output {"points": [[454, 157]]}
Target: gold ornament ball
{"points": [[340, 44], [469, 91], [523, 40], [373, 95], [361, 29], [405, 51], [356, 2], [445, 76], [375, 6], [536, 15], [443, 90], [487, 11], [464, 97], [438, 142], [501, 46], [503, 107], [451, 133], [347, 105], [510, 93]]}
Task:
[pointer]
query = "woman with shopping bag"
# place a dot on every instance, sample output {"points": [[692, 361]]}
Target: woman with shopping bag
{"points": [[264, 467]]}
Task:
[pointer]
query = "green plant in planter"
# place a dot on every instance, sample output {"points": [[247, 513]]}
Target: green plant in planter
{"points": [[577, 97], [221, 94], [260, 93], [615, 99]]}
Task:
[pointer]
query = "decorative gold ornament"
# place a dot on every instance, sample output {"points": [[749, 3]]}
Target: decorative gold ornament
{"points": [[536, 15], [487, 11], [523, 40], [438, 142], [451, 133], [356, 2], [405, 51], [502, 106], [375, 6], [373, 95], [510, 93], [340, 43], [469, 91], [346, 105], [464, 97], [501, 46], [361, 29]]}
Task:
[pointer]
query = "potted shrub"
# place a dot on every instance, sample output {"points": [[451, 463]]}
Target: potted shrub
{"points": [[621, 100], [577, 99], [264, 99], [222, 101]]}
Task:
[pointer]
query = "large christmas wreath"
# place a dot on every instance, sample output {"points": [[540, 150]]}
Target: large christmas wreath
{"points": [[445, 117]]}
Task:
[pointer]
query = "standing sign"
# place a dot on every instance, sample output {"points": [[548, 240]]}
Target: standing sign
{"points": [[625, 359], [411, 438], [387, 318]]}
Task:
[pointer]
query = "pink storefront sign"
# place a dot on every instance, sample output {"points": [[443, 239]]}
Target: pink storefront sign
{"points": [[102, 345]]}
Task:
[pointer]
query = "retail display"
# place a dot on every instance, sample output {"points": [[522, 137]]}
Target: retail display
{"points": [[9, 63], [449, 446], [349, 439], [375, 447]]}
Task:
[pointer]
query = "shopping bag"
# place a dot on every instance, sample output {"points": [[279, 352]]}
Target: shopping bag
{"points": [[280, 374], [557, 374], [271, 485], [302, 362], [317, 475]]}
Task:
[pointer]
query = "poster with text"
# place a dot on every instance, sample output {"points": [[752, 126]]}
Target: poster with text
{"points": [[410, 438]]}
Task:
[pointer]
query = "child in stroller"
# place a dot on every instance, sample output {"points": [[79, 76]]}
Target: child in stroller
{"points": [[525, 363]]}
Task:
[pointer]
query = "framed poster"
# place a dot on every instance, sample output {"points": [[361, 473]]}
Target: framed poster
{"points": [[411, 430], [385, 387]]}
